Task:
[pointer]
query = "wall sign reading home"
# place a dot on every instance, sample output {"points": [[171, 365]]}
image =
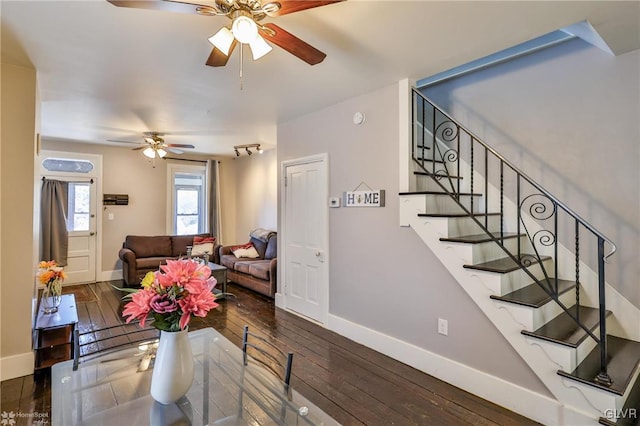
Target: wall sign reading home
{"points": [[370, 198]]}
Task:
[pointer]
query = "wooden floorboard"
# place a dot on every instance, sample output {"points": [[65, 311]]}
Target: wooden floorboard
{"points": [[353, 384]]}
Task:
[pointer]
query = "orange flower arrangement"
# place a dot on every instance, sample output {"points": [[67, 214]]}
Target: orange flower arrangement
{"points": [[51, 276]]}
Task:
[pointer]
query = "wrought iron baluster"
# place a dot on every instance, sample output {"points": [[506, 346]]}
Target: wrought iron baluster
{"points": [[433, 143], [555, 249], [472, 140], [578, 269], [603, 377], [486, 188], [458, 166], [518, 214], [501, 202]]}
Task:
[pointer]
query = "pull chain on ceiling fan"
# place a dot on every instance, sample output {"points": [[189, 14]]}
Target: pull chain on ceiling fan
{"points": [[245, 16]]}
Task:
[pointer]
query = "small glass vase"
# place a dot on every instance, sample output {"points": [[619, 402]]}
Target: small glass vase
{"points": [[51, 297]]}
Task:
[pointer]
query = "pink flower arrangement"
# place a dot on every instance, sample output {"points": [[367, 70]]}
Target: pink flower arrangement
{"points": [[180, 289]]}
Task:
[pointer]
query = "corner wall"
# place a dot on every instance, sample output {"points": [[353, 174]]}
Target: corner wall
{"points": [[17, 261], [383, 277]]}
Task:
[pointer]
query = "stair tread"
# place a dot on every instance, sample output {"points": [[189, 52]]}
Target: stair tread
{"points": [[564, 330], [623, 359], [466, 194], [455, 214], [478, 238], [502, 265], [534, 295], [440, 176]]}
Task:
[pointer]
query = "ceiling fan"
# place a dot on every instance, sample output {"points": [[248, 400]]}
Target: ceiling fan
{"points": [[154, 145], [245, 16]]}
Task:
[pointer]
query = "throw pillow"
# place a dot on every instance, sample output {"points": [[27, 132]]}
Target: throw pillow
{"points": [[245, 250], [202, 245]]}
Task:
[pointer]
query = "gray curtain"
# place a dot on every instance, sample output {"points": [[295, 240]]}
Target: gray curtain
{"points": [[215, 224], [53, 220]]}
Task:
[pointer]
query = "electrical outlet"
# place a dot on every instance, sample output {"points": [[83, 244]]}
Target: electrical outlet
{"points": [[443, 326]]}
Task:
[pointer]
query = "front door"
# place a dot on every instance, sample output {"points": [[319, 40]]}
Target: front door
{"points": [[305, 228], [81, 224]]}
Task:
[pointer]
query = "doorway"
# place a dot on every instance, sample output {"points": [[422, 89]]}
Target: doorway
{"points": [[82, 173], [304, 280]]}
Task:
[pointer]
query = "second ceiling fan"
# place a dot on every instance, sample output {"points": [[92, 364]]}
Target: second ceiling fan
{"points": [[245, 25]]}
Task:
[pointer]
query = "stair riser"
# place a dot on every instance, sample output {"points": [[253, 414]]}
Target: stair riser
{"points": [[460, 226], [502, 284], [534, 318], [445, 204], [485, 252], [427, 183], [566, 357]]}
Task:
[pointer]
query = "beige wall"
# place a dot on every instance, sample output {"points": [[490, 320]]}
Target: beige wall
{"points": [[128, 172], [17, 258], [256, 192]]}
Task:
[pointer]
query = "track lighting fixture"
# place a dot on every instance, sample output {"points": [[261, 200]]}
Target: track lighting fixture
{"points": [[248, 148]]}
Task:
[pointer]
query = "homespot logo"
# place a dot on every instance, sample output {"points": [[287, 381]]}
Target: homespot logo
{"points": [[12, 418], [625, 413]]}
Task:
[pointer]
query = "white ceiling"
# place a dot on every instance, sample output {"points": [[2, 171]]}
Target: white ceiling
{"points": [[107, 72]]}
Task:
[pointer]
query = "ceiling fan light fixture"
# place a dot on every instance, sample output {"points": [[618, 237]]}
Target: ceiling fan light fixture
{"points": [[161, 152], [149, 152], [259, 47], [222, 40], [244, 29]]}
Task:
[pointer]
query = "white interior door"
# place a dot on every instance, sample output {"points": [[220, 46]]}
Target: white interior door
{"points": [[306, 268], [81, 224]]}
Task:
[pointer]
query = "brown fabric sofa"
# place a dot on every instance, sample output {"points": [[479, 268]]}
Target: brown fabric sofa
{"points": [[141, 254], [256, 274]]}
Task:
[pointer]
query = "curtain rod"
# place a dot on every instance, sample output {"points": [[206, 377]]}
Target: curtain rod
{"points": [[44, 178]]}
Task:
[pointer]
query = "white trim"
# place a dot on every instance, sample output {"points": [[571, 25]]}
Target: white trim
{"points": [[281, 296], [499, 391], [16, 366], [113, 275], [172, 169], [404, 132]]}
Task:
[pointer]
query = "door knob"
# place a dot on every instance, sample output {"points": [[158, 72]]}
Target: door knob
{"points": [[92, 233]]}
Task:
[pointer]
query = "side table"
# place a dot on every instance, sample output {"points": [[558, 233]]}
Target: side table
{"points": [[53, 335], [219, 272]]}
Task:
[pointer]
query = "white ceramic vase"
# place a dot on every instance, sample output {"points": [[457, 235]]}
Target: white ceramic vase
{"points": [[173, 367]]}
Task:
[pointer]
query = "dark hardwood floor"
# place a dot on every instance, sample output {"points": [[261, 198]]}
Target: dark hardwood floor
{"points": [[354, 384]]}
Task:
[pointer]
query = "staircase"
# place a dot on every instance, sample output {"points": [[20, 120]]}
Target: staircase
{"points": [[534, 267]]}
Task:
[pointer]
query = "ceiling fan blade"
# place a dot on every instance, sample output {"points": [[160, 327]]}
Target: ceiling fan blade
{"points": [[139, 148], [292, 44], [167, 5], [179, 145], [129, 142], [291, 6], [175, 151], [219, 59]]}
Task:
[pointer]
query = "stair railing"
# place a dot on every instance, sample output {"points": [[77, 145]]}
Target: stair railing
{"points": [[456, 159]]}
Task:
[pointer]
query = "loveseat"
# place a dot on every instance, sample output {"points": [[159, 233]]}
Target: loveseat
{"points": [[256, 273], [141, 254]]}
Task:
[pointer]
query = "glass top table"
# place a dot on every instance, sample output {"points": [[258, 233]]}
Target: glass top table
{"points": [[113, 389]]}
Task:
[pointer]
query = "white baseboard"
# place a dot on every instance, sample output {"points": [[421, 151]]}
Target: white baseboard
{"points": [[116, 274], [530, 404], [16, 366]]}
